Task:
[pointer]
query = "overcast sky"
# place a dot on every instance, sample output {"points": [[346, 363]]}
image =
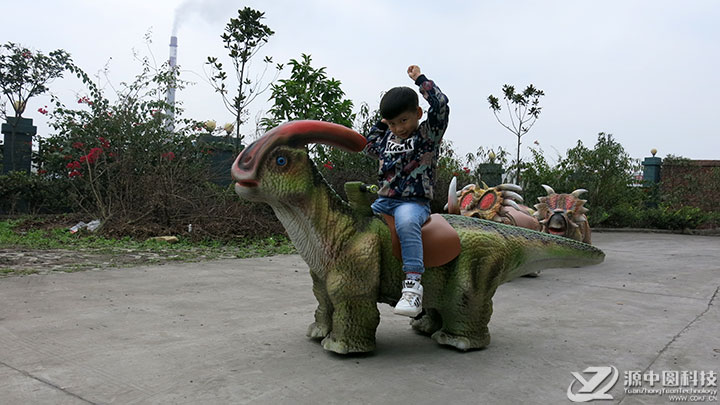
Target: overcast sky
{"points": [[645, 71]]}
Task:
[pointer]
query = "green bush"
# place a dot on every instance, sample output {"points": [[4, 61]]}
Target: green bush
{"points": [[33, 193], [606, 171], [663, 217]]}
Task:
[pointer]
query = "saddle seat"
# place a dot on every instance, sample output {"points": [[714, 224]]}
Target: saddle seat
{"points": [[441, 242]]}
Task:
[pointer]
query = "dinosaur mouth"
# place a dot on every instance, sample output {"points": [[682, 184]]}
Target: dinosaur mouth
{"points": [[556, 225], [247, 183]]}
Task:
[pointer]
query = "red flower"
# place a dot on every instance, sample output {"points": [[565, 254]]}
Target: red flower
{"points": [[42, 111], [104, 142], [85, 99], [329, 165], [74, 173], [93, 156], [42, 171], [26, 54], [74, 165], [78, 145], [466, 170], [169, 156]]}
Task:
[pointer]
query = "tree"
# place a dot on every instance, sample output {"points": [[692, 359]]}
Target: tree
{"points": [[24, 74], [243, 38], [308, 95], [523, 109]]}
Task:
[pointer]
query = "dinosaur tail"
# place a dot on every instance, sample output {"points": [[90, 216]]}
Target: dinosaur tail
{"points": [[539, 251]]}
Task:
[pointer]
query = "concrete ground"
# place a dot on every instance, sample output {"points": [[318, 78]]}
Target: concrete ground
{"points": [[233, 332]]}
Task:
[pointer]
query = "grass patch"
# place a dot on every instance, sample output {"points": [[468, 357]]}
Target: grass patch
{"points": [[13, 234]]}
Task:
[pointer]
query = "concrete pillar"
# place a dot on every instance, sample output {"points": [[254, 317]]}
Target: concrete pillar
{"points": [[651, 170], [18, 133], [491, 173]]}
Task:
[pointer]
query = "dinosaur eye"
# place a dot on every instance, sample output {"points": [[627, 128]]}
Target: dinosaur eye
{"points": [[281, 161]]}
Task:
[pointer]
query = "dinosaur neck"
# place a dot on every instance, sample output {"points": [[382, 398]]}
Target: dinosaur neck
{"points": [[320, 227]]}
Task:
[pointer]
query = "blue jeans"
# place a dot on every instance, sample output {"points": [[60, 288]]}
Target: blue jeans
{"points": [[410, 215]]}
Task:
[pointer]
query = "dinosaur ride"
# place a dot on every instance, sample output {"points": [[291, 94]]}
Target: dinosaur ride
{"points": [[349, 250]]}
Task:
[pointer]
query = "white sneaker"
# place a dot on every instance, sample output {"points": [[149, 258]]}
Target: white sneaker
{"points": [[410, 303]]}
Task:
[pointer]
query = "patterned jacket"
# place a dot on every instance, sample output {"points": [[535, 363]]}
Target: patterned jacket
{"points": [[407, 167]]}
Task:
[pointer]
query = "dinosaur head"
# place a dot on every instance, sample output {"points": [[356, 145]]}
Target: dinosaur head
{"points": [[561, 214], [277, 167]]}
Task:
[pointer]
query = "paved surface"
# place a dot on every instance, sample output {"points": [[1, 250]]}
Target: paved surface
{"points": [[233, 331]]}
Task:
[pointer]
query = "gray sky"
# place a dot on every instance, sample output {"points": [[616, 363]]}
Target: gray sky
{"points": [[645, 70]]}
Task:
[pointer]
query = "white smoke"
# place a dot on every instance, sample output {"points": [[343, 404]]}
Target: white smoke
{"points": [[211, 12]]}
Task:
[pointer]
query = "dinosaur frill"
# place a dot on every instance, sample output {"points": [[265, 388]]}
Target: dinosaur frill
{"points": [[563, 214]]}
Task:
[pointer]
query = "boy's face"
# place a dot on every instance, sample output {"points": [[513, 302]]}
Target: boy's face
{"points": [[405, 124]]}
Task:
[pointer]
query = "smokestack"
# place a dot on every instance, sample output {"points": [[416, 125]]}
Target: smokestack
{"points": [[170, 97]]}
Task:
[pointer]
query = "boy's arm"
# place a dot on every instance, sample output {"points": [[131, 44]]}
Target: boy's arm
{"points": [[438, 114], [374, 139]]}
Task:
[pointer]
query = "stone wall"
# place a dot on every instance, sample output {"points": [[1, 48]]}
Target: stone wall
{"points": [[693, 183]]}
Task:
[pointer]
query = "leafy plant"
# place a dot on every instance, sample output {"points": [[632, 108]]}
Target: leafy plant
{"points": [[244, 37], [339, 167], [25, 74], [606, 171], [523, 110], [308, 94], [33, 193], [449, 165]]}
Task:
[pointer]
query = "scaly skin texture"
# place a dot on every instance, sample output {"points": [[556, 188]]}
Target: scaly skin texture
{"points": [[349, 253]]}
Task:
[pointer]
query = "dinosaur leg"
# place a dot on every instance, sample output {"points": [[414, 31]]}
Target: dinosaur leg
{"points": [[468, 306], [323, 314], [353, 328], [466, 331], [429, 323]]}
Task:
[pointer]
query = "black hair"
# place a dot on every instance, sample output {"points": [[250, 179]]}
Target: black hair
{"points": [[397, 101]]}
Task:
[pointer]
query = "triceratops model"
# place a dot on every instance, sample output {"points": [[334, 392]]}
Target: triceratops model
{"points": [[500, 204], [350, 251], [563, 214]]}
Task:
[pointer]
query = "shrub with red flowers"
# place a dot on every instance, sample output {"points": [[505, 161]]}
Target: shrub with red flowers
{"points": [[117, 154]]}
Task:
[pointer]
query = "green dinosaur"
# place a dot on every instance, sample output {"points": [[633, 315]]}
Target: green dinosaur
{"points": [[349, 253]]}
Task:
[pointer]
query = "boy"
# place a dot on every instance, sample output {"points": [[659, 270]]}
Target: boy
{"points": [[408, 151]]}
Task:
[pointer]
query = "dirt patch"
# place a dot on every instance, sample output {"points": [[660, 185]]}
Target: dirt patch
{"points": [[20, 261]]}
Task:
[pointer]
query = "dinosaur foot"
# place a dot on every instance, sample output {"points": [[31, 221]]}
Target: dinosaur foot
{"points": [[345, 346], [463, 343], [318, 330], [428, 323]]}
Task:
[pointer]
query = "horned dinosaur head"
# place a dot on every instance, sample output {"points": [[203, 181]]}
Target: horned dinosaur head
{"points": [[560, 214], [278, 165]]}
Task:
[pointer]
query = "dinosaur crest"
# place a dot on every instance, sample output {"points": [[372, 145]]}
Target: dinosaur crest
{"points": [[563, 214]]}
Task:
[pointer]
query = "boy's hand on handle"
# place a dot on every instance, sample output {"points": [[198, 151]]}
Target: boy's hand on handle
{"points": [[414, 72]]}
